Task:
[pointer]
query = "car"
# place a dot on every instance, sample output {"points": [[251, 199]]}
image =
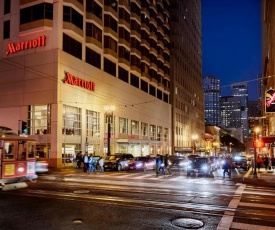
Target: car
{"points": [[178, 162], [118, 161], [200, 166], [241, 162], [142, 163], [41, 166]]}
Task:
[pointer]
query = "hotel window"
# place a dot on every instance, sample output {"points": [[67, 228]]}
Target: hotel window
{"points": [[72, 46], [93, 123], [6, 32], [123, 14], [71, 120], [144, 129], [71, 15], [94, 8], [144, 85], [152, 133], [123, 74], [93, 58], [36, 12], [110, 22], [134, 81], [124, 53], [7, 6], [159, 94], [109, 67], [124, 34], [111, 3], [134, 127], [165, 134], [159, 133], [110, 43], [123, 125], [39, 119], [152, 90], [93, 31]]}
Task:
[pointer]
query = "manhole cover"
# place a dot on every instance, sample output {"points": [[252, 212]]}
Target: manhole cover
{"points": [[78, 221], [81, 191], [187, 223]]}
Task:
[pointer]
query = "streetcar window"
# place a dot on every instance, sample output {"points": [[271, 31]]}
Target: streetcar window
{"points": [[9, 150], [31, 149]]}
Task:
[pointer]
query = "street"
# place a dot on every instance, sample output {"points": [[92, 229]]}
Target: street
{"points": [[137, 200]]}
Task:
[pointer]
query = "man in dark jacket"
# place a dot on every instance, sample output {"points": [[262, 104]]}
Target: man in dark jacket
{"points": [[159, 164]]}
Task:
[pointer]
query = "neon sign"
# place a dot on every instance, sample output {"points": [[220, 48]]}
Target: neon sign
{"points": [[270, 101], [15, 47], [72, 80]]}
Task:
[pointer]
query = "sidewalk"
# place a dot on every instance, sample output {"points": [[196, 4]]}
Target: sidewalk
{"points": [[263, 178]]}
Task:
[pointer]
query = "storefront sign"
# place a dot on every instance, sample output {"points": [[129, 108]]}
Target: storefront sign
{"points": [[15, 47], [72, 80], [270, 101]]}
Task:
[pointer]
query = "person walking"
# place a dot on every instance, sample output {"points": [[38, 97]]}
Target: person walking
{"points": [[259, 163], [85, 162], [101, 164], [159, 165], [226, 168], [91, 165], [78, 160], [266, 162], [166, 164]]}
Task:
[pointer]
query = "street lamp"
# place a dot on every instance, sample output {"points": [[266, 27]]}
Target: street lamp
{"points": [[109, 112], [256, 131], [194, 138]]}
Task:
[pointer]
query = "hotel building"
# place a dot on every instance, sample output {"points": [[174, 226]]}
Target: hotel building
{"points": [[63, 62]]}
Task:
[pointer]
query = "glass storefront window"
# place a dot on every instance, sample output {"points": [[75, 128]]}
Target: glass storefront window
{"points": [[71, 120], [134, 127], [144, 129], [123, 125], [39, 119], [93, 123], [152, 132]]}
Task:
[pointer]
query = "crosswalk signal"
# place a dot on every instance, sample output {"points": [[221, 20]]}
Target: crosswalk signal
{"points": [[24, 127]]}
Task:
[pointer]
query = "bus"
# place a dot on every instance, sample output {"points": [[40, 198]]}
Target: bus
{"points": [[17, 160]]}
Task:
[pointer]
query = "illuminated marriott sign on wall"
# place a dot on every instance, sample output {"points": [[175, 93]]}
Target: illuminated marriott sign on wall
{"points": [[15, 47], [72, 80]]}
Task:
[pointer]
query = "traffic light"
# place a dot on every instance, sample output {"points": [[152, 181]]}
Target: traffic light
{"points": [[24, 127], [258, 143]]}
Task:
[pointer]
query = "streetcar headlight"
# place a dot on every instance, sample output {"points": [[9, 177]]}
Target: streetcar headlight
{"points": [[21, 169]]}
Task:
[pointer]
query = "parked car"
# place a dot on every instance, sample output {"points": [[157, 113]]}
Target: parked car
{"points": [[241, 162], [142, 163], [41, 166], [200, 166], [118, 161]]}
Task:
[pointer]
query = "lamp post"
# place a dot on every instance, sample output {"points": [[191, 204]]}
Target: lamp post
{"points": [[194, 138], [256, 131], [109, 110]]}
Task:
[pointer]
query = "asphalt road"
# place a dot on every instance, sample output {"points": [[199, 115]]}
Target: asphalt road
{"points": [[120, 200]]}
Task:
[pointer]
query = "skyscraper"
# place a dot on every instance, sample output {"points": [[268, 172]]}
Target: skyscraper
{"points": [[212, 94], [240, 90], [187, 97]]}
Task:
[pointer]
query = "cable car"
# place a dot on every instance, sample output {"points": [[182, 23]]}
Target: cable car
{"points": [[17, 160]]}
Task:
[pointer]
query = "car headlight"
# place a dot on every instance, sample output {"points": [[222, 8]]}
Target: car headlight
{"points": [[126, 164], [204, 167], [189, 167], [138, 165]]}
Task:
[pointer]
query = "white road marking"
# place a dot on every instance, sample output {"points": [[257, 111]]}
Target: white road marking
{"points": [[227, 219]]}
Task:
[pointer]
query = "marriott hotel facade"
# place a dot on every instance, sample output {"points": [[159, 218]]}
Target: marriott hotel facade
{"points": [[64, 62]]}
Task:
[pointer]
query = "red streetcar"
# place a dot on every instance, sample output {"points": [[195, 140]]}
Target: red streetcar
{"points": [[17, 161]]}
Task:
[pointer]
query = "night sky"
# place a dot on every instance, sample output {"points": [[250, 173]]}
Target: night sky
{"points": [[231, 42]]}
